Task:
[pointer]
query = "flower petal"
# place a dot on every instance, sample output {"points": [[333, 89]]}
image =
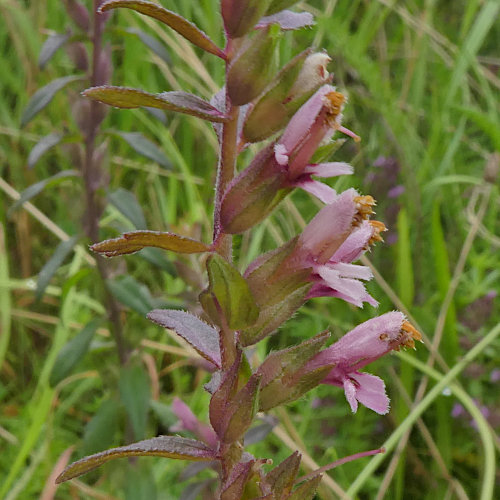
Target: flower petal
{"points": [[355, 244], [371, 392], [329, 169], [350, 394], [323, 192]]}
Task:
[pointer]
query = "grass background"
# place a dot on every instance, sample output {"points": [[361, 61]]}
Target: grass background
{"points": [[423, 83]]}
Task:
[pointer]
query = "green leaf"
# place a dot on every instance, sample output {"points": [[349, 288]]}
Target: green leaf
{"points": [[135, 393], [53, 264], [72, 352], [42, 97], [178, 101], [306, 490], [100, 430], [157, 47], [281, 479], [145, 147], [162, 446], [140, 483], [489, 126], [51, 46], [133, 294], [42, 146], [126, 203], [137, 240], [232, 293], [185, 28], [31, 191]]}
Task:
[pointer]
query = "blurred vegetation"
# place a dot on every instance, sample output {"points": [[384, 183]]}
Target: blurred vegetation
{"points": [[423, 79]]}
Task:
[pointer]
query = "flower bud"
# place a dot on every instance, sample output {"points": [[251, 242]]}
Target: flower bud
{"points": [[291, 87], [253, 67], [79, 13], [240, 16]]}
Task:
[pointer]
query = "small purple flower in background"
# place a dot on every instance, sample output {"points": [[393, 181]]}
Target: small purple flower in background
{"points": [[383, 183], [478, 312], [189, 422], [338, 235], [363, 345]]}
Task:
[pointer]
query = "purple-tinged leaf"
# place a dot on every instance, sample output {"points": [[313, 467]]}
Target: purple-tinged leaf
{"points": [[42, 146], [231, 291], [175, 447], [53, 43], [306, 490], [146, 148], [137, 240], [253, 67], [279, 5], [235, 485], [185, 28], [201, 336], [178, 101], [42, 97], [240, 16], [287, 20], [282, 478], [242, 410], [35, 189], [221, 396]]}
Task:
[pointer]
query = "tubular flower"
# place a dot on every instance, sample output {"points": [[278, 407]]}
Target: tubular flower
{"points": [[338, 235], [284, 165], [313, 124], [363, 345]]}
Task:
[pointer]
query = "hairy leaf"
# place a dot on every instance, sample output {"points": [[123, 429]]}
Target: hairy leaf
{"points": [[185, 28], [72, 352], [162, 446], [178, 101], [288, 20], [201, 336], [232, 293], [281, 479], [42, 97], [306, 490], [137, 240]]}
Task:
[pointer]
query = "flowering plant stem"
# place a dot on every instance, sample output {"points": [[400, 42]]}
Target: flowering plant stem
{"points": [[90, 176]]}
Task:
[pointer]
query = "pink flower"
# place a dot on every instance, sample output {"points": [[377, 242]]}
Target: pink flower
{"points": [[313, 124], [338, 235], [189, 422], [363, 345]]}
